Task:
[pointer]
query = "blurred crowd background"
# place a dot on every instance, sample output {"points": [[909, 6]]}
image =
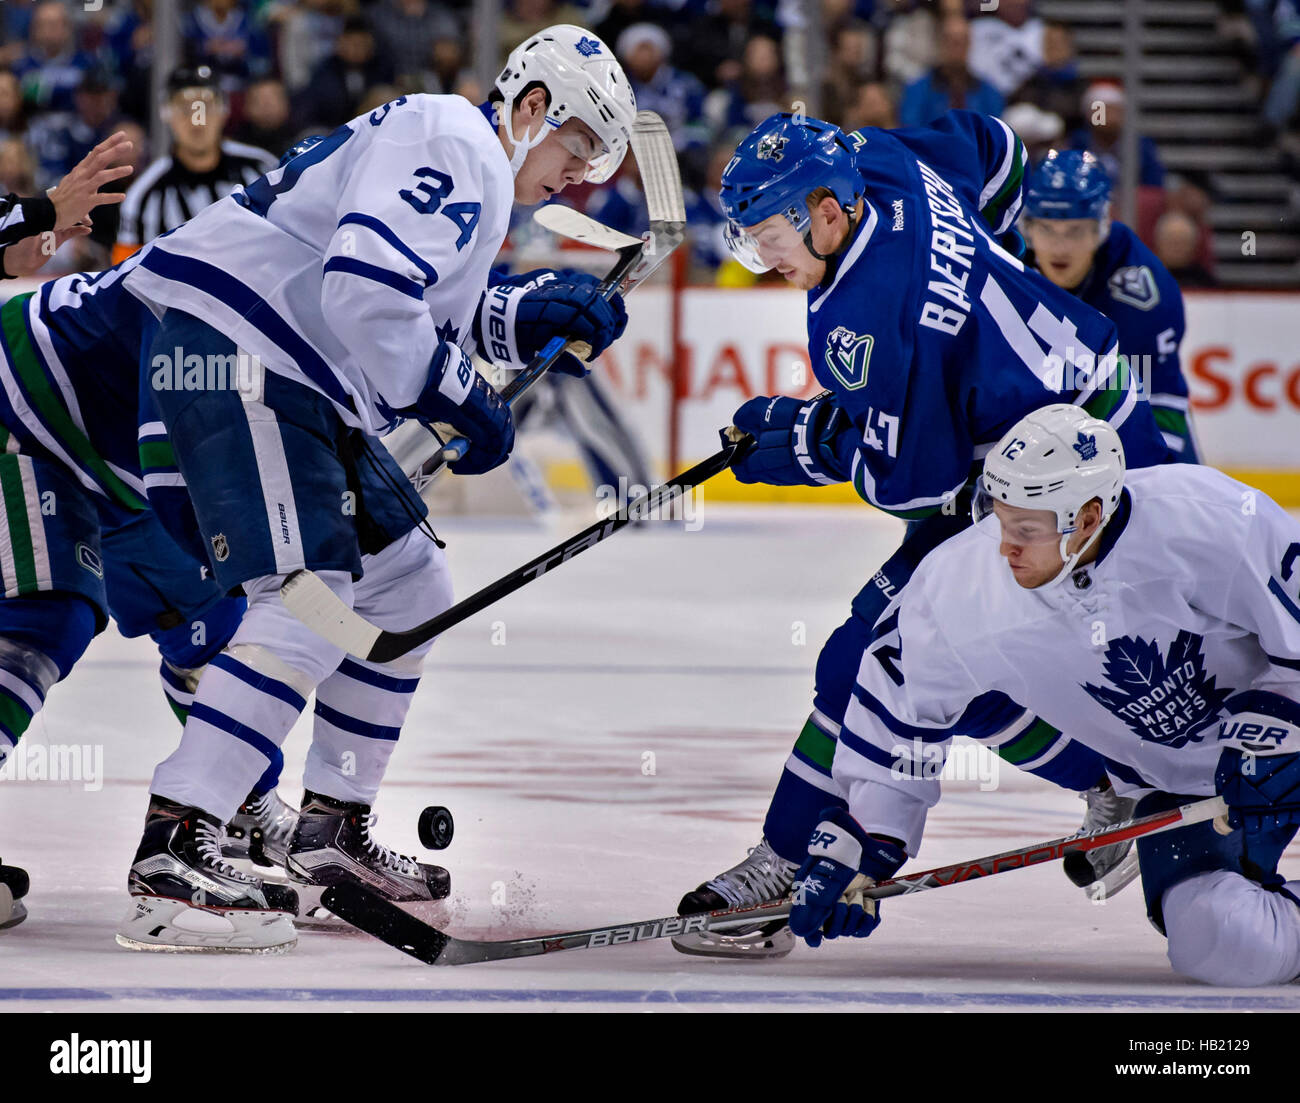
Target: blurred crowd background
{"points": [[72, 73]]}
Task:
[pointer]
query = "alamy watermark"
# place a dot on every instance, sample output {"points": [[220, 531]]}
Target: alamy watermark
{"points": [[181, 371], [61, 762], [921, 761], [634, 502]]}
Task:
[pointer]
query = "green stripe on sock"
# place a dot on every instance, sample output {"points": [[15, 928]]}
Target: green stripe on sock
{"points": [[180, 712], [815, 745], [1025, 747], [49, 406], [20, 533], [14, 717]]}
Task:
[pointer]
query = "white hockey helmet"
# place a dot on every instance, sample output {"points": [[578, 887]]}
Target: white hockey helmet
{"points": [[1058, 458], [584, 81]]}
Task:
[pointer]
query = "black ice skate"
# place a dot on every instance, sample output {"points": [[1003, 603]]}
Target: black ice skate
{"points": [[1103, 872], [763, 876], [258, 835], [332, 845], [14, 884], [187, 898]]}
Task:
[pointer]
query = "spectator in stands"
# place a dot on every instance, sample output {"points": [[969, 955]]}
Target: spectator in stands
{"points": [[15, 24], [405, 31], [1284, 95], [853, 62], [445, 70], [1057, 87], [1007, 46], [1040, 130], [873, 106], [1177, 243], [267, 123], [200, 168], [221, 35], [336, 88], [17, 168], [950, 84], [52, 67], [129, 35], [677, 97], [59, 140], [308, 32], [526, 17], [709, 44], [909, 40], [705, 219], [622, 14], [759, 92], [13, 113], [1103, 105]]}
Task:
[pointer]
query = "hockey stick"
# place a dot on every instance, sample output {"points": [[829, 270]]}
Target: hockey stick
{"points": [[569, 223], [656, 158], [319, 608], [388, 923]]}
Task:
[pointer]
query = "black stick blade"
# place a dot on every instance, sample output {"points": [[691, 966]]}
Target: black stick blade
{"points": [[385, 921]]}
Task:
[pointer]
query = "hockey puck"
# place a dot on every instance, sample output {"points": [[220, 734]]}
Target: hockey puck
{"points": [[436, 827]]}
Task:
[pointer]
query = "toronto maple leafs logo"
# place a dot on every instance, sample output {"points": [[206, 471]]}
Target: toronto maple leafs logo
{"points": [[587, 47], [848, 356], [1166, 699], [771, 147], [1086, 446], [447, 332]]}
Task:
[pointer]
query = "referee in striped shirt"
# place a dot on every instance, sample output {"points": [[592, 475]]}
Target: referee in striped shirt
{"points": [[201, 169]]}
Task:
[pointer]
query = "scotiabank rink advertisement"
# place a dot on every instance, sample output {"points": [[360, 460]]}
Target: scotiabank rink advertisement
{"points": [[1240, 357]]}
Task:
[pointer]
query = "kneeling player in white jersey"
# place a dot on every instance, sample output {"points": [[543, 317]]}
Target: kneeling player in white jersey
{"points": [[343, 293], [1182, 668]]}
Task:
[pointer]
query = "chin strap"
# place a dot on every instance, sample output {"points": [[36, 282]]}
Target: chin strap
{"points": [[1071, 560], [807, 237], [521, 145]]}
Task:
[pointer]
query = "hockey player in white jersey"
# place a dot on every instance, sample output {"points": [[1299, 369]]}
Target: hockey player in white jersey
{"points": [[345, 291], [1155, 616]]}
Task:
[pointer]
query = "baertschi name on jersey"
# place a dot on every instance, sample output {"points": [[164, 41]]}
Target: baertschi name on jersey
{"points": [[1164, 698]]}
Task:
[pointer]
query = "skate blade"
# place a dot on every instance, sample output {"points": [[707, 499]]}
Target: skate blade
{"points": [[1118, 878], [752, 946], [160, 925], [12, 912]]}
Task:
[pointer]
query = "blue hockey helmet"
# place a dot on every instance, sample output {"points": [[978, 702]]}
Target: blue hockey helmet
{"points": [[784, 159], [300, 146], [1069, 183]]}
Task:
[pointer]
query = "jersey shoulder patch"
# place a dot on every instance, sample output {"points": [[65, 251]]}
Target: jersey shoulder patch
{"points": [[1135, 285]]}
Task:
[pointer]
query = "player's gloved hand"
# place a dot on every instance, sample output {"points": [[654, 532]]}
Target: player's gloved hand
{"points": [[843, 860], [456, 395], [519, 314], [1262, 791], [569, 307], [796, 443]]}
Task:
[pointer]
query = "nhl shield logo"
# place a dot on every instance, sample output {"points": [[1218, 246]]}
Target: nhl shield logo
{"points": [[220, 547], [848, 355]]}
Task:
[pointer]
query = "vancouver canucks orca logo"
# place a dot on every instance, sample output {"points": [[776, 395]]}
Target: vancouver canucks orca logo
{"points": [[771, 147], [1086, 446], [848, 356], [1165, 699], [1134, 285], [587, 47]]}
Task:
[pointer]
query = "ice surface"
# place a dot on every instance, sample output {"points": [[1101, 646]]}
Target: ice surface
{"points": [[607, 738]]}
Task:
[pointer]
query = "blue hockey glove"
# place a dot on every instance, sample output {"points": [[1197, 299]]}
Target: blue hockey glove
{"points": [[1262, 791], [796, 442], [456, 395], [842, 861], [520, 314]]}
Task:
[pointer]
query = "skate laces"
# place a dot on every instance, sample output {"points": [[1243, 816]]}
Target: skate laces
{"points": [[390, 859], [207, 837], [273, 816], [763, 875]]}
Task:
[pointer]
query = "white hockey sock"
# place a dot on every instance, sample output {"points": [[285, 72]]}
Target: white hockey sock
{"points": [[1226, 930]]}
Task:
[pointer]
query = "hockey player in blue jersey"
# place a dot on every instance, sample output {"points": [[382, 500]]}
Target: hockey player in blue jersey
{"points": [[1188, 681], [343, 292], [1076, 244], [932, 338]]}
